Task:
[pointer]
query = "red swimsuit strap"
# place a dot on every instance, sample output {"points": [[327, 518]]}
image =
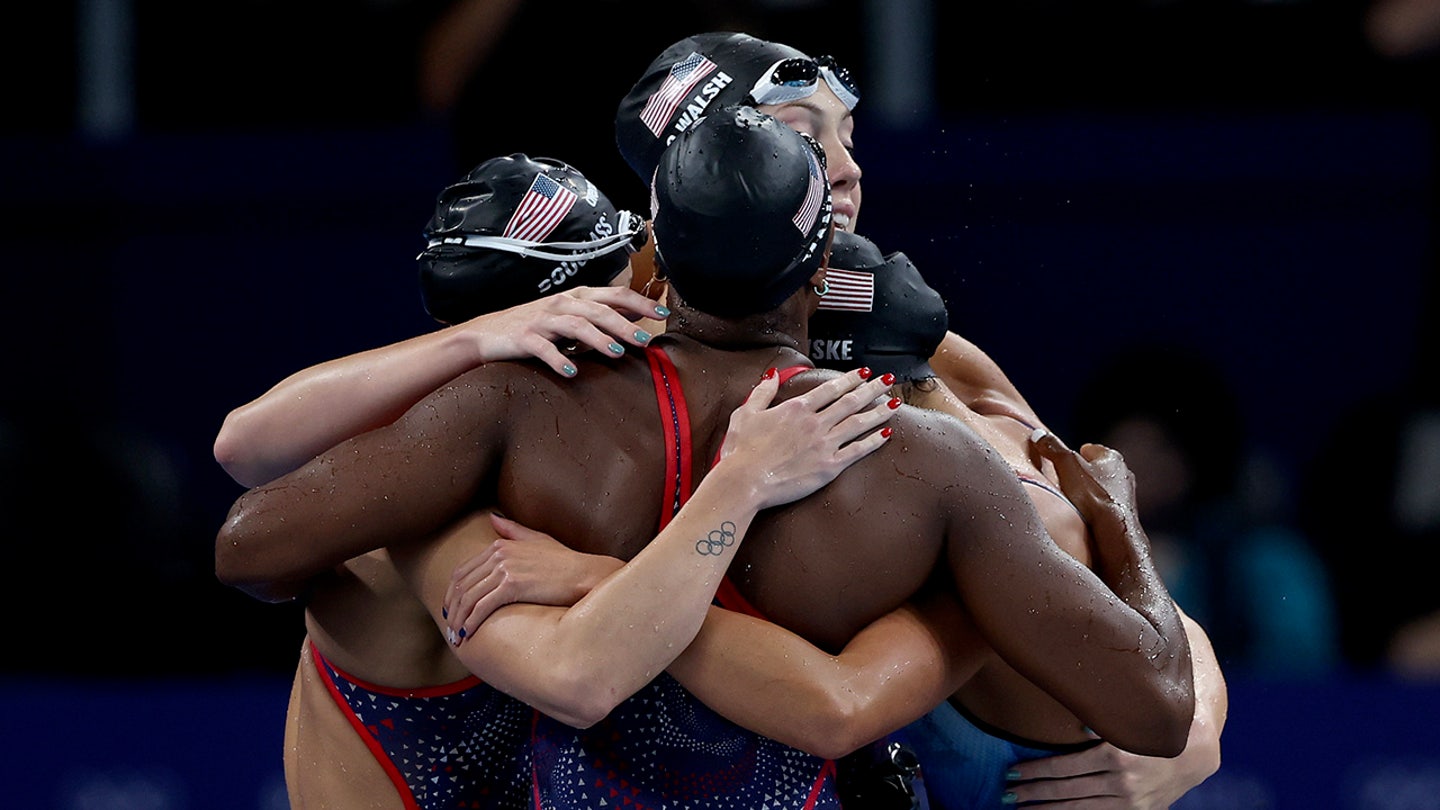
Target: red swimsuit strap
{"points": [[676, 417], [678, 456]]}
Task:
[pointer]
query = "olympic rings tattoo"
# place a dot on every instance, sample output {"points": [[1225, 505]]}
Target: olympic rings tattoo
{"points": [[715, 543]]}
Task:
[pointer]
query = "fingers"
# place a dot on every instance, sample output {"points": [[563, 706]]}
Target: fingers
{"points": [[623, 300], [1067, 462], [1061, 766], [763, 393], [832, 391], [470, 581], [1090, 790], [1089, 778], [467, 572], [593, 326], [849, 406], [1070, 467], [509, 529], [863, 446], [548, 353], [1049, 444], [840, 399], [861, 411], [482, 600], [611, 310], [598, 318], [505, 573]]}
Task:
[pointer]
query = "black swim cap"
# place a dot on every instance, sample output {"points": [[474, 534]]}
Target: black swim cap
{"points": [[516, 229], [879, 313], [688, 79], [742, 212]]}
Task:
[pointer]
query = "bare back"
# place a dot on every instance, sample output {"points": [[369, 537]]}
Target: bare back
{"points": [[585, 458], [823, 567]]}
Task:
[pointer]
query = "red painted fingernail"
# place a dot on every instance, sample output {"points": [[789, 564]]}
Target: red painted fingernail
{"points": [[885, 431], [864, 373], [894, 403], [769, 372], [888, 379]]}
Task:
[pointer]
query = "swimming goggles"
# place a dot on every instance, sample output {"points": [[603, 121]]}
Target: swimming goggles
{"points": [[796, 78], [630, 235]]}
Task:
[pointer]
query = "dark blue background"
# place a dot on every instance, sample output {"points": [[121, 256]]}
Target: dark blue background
{"points": [[1244, 178]]}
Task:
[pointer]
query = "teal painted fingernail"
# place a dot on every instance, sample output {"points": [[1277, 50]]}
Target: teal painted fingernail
{"points": [[641, 336], [1008, 798], [568, 370], [1012, 774], [616, 348], [663, 312]]}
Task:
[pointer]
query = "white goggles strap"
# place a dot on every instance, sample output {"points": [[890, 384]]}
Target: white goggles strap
{"points": [[630, 225]]}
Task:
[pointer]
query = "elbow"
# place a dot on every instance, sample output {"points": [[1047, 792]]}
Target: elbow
{"points": [[575, 697], [265, 590], [228, 449], [1158, 722], [578, 711], [231, 453], [248, 451], [235, 569], [844, 743], [833, 727], [1205, 754], [1158, 729], [1172, 730]]}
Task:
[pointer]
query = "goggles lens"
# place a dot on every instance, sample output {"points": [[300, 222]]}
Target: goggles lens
{"points": [[793, 79], [795, 73]]}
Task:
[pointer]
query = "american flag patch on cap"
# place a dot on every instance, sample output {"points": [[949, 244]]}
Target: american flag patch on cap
{"points": [[850, 291], [684, 75], [543, 207], [804, 219]]}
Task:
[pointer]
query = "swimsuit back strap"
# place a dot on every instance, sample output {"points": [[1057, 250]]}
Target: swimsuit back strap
{"points": [[675, 421]]}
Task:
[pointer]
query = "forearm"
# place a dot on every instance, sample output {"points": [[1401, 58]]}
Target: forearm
{"points": [[366, 493], [770, 681], [578, 663], [1123, 563], [1201, 758], [1100, 643], [1133, 781], [316, 408], [273, 558]]}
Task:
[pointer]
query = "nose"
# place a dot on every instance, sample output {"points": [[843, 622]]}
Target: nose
{"points": [[844, 171]]}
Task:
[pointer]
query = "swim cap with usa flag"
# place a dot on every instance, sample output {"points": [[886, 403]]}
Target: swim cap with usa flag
{"points": [[879, 313], [742, 212], [689, 79], [516, 229]]}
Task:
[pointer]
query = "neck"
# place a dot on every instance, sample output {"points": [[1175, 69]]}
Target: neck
{"points": [[782, 328]]}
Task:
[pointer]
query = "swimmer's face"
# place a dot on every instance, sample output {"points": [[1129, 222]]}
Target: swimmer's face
{"points": [[823, 116]]}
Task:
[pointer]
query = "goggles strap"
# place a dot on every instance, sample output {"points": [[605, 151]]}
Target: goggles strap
{"points": [[842, 92], [632, 228]]}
